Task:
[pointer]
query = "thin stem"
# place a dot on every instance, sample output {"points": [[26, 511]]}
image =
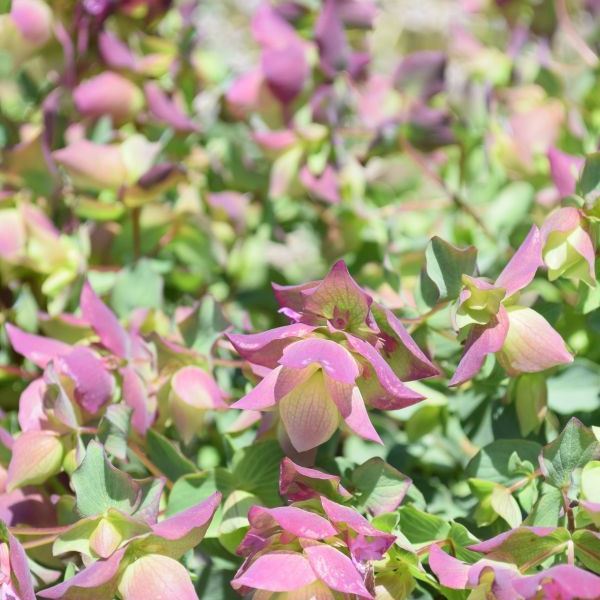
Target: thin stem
{"points": [[136, 232], [225, 362], [564, 20], [426, 315], [150, 465], [40, 542], [442, 543], [568, 512], [570, 552], [456, 199], [24, 530], [523, 482], [21, 373]]}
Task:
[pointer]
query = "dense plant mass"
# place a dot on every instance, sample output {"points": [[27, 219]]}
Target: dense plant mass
{"points": [[299, 299]]}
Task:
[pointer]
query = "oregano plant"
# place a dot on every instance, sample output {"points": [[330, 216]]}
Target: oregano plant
{"points": [[299, 300]]}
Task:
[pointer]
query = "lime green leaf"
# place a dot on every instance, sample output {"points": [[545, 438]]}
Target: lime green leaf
{"points": [[506, 506], [546, 510], [590, 481]]}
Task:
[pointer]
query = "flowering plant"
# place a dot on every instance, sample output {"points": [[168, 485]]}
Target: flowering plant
{"points": [[299, 300]]}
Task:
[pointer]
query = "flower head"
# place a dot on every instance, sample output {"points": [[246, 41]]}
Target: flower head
{"points": [[342, 353], [523, 341], [567, 249], [310, 548]]}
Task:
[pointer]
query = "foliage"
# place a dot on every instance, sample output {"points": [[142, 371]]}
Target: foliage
{"points": [[299, 299]]}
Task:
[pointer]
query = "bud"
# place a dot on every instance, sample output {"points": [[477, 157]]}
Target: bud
{"points": [[105, 539], [156, 576], [36, 456], [108, 94], [193, 393], [26, 29], [110, 166], [479, 302], [568, 250]]}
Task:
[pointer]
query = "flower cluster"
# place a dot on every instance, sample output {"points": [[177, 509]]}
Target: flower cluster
{"points": [[314, 546], [342, 352]]}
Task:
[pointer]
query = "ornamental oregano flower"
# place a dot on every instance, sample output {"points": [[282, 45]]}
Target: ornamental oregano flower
{"points": [[342, 353], [522, 340]]}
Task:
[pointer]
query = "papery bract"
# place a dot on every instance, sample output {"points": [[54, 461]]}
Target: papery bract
{"points": [[568, 250], [564, 169], [562, 582], [193, 393]]}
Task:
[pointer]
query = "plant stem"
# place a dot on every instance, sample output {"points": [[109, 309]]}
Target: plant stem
{"points": [[136, 232], [24, 530], [456, 199], [568, 512], [39, 542], [523, 482], [564, 20], [149, 464]]}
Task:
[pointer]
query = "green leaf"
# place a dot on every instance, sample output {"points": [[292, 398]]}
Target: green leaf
{"points": [[588, 185], [379, 487], [234, 522], [494, 461], [483, 490], [527, 549], [137, 287], [190, 490], [113, 429], [396, 585], [203, 327], [576, 389], [99, 485], [444, 266], [570, 451], [531, 395], [256, 470], [5, 6], [462, 537], [423, 421], [506, 506], [546, 510], [587, 548], [167, 457], [26, 310], [420, 527]]}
